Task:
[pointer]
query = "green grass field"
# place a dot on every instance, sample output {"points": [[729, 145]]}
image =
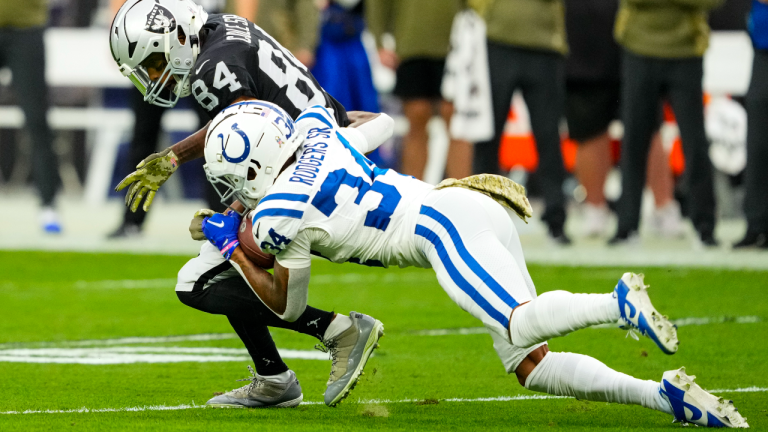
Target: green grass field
{"points": [[51, 302]]}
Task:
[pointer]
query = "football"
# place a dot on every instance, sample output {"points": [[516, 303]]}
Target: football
{"points": [[249, 246]]}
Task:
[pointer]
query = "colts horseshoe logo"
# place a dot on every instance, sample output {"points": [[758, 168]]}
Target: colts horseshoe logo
{"points": [[246, 151]]}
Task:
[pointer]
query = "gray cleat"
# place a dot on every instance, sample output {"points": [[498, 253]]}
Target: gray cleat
{"points": [[350, 351], [261, 393]]}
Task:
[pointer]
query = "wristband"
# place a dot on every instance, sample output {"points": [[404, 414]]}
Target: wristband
{"points": [[229, 248]]}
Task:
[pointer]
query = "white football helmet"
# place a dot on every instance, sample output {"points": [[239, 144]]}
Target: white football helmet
{"points": [[144, 27], [246, 146]]}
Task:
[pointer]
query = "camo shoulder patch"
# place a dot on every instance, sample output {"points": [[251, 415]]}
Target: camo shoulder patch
{"points": [[501, 189]]}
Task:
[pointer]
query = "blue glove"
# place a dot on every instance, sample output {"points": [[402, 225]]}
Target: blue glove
{"points": [[221, 230]]}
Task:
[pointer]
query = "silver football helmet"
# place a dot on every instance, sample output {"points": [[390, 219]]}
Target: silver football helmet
{"points": [[169, 28]]}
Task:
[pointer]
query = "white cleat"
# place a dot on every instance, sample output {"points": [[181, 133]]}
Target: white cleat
{"points": [[638, 313], [691, 403]]}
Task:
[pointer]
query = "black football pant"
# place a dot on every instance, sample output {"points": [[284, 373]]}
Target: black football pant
{"points": [[644, 81], [540, 75], [756, 173], [146, 131], [23, 51], [250, 318]]}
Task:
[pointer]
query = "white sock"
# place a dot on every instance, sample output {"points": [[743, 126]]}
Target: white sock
{"points": [[338, 325], [557, 313], [280, 378], [585, 378]]}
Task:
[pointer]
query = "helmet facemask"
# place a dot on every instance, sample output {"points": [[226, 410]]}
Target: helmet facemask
{"points": [[230, 187]]}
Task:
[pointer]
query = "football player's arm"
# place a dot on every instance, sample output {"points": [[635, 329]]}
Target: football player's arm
{"points": [[369, 130], [193, 146], [289, 290], [285, 292], [157, 168]]}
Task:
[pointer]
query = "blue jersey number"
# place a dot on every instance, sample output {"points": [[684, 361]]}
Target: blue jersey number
{"points": [[277, 242], [325, 199]]}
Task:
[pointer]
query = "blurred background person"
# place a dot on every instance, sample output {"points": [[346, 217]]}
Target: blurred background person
{"points": [[146, 134], [294, 24], [422, 31], [526, 49], [341, 66], [593, 88], [663, 47], [756, 174], [22, 24]]}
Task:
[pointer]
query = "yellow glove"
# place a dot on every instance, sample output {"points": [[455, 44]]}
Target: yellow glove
{"points": [[150, 174], [196, 226]]}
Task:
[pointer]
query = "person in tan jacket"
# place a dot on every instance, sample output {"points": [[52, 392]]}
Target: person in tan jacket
{"points": [[663, 43], [422, 31], [526, 52]]}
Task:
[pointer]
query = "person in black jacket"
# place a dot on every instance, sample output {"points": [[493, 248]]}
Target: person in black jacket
{"points": [[756, 176]]}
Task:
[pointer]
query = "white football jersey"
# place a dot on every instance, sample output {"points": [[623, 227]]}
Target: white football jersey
{"points": [[335, 203]]}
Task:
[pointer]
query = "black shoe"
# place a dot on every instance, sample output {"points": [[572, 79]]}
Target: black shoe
{"points": [[125, 231], [753, 239], [707, 239], [623, 238], [558, 236]]}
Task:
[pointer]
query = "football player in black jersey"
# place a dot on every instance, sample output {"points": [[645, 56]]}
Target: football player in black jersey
{"points": [[171, 49]]}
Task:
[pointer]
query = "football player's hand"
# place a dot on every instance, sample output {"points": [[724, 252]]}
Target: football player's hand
{"points": [[150, 174], [221, 230], [196, 226]]}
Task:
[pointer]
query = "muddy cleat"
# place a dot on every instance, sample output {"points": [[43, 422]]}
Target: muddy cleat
{"points": [[261, 393], [691, 403], [638, 313], [350, 351]]}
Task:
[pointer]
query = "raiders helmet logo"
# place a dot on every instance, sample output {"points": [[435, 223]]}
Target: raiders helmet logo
{"points": [[160, 19]]}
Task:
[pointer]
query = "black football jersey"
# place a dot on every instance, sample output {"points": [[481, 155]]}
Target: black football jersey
{"points": [[238, 58]]}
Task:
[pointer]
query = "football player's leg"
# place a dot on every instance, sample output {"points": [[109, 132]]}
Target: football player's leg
{"points": [[479, 262], [210, 267], [585, 378], [473, 266], [227, 297], [557, 313]]}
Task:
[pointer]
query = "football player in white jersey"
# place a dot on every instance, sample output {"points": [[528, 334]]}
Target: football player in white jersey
{"points": [[315, 193]]}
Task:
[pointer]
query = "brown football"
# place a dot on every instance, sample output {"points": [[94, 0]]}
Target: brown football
{"points": [[249, 246]]}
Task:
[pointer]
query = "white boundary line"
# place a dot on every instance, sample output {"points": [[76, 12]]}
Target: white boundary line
{"points": [[359, 401]]}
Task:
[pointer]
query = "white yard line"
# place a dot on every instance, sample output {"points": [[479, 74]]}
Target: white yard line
{"points": [[359, 401], [142, 354], [748, 319], [682, 322], [126, 340]]}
